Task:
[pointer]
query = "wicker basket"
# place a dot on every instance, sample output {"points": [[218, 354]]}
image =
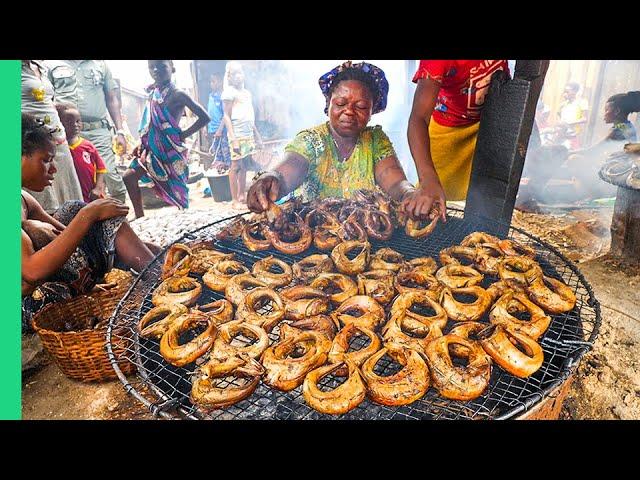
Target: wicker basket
{"points": [[108, 294], [82, 354]]}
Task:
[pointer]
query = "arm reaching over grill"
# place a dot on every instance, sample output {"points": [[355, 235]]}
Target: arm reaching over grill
{"points": [[270, 186]]}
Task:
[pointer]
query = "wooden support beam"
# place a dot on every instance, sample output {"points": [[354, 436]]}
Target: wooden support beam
{"points": [[625, 225], [507, 120]]}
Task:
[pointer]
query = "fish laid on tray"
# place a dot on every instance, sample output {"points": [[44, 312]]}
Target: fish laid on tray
{"points": [[293, 227], [400, 307]]}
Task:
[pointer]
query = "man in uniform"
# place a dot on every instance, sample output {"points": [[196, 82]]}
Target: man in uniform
{"points": [[89, 85]]}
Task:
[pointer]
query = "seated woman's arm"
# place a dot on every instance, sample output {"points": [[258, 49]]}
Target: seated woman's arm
{"points": [[39, 265], [275, 184], [391, 178]]}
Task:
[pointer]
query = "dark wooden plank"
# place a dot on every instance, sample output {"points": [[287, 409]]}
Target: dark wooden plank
{"points": [[503, 137], [625, 225]]}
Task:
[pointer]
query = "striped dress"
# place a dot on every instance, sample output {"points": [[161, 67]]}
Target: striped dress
{"points": [[163, 155]]}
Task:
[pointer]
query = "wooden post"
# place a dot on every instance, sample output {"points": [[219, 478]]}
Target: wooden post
{"points": [[505, 127], [595, 100], [625, 225]]}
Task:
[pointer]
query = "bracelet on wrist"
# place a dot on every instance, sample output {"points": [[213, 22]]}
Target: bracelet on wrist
{"points": [[407, 191], [268, 173]]}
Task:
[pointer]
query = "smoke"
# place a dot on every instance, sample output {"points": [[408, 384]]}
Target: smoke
{"points": [[565, 169], [555, 175]]}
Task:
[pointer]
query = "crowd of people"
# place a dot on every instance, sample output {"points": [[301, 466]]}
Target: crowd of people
{"points": [[74, 225]]}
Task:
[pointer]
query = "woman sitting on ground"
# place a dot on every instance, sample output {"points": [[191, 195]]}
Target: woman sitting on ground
{"points": [[342, 155], [64, 255]]}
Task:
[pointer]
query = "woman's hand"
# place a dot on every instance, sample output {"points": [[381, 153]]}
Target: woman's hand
{"points": [[420, 202], [105, 208], [263, 191]]}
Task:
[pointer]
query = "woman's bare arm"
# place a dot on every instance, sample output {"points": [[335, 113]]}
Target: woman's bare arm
{"points": [[430, 192], [200, 112], [228, 108], [38, 265], [391, 178], [283, 179]]}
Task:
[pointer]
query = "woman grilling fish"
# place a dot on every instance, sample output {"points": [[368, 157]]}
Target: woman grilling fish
{"points": [[342, 155]]}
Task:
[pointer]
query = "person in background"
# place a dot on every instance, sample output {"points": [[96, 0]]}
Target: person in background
{"points": [[542, 114], [617, 111], [89, 86], [64, 255], [38, 99], [123, 157], [581, 166], [216, 128], [573, 115], [343, 154], [162, 155], [239, 118], [443, 128], [88, 163]]}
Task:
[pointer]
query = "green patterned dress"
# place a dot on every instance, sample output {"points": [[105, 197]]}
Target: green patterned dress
{"points": [[330, 177]]}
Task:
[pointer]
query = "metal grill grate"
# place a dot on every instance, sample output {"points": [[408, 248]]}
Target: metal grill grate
{"points": [[165, 389]]}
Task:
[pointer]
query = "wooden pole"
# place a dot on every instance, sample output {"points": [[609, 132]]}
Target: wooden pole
{"points": [[595, 102], [625, 225], [506, 124]]}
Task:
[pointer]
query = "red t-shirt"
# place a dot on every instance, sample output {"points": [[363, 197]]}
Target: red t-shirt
{"points": [[88, 163], [464, 83]]}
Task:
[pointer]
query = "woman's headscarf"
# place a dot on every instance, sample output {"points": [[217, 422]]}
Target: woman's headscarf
{"points": [[376, 74]]}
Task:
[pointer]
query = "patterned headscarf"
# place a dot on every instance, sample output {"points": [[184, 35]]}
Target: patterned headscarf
{"points": [[379, 103]]}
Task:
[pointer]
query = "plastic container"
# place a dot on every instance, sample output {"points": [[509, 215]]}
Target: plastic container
{"points": [[220, 187]]}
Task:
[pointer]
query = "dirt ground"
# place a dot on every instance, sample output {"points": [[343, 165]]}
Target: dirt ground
{"points": [[607, 384], [607, 381]]}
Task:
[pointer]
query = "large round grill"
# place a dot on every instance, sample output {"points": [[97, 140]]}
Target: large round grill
{"points": [[165, 389]]}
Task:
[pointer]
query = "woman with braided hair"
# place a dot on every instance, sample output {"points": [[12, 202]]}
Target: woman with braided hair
{"points": [[617, 111], [583, 165]]}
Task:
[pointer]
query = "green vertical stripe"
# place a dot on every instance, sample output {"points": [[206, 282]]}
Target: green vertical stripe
{"points": [[10, 365]]}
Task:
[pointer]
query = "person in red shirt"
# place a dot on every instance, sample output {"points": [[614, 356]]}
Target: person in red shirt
{"points": [[89, 164], [443, 127]]}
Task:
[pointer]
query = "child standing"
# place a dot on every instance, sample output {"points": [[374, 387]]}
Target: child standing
{"points": [[162, 155], [89, 165], [239, 118], [216, 127]]}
